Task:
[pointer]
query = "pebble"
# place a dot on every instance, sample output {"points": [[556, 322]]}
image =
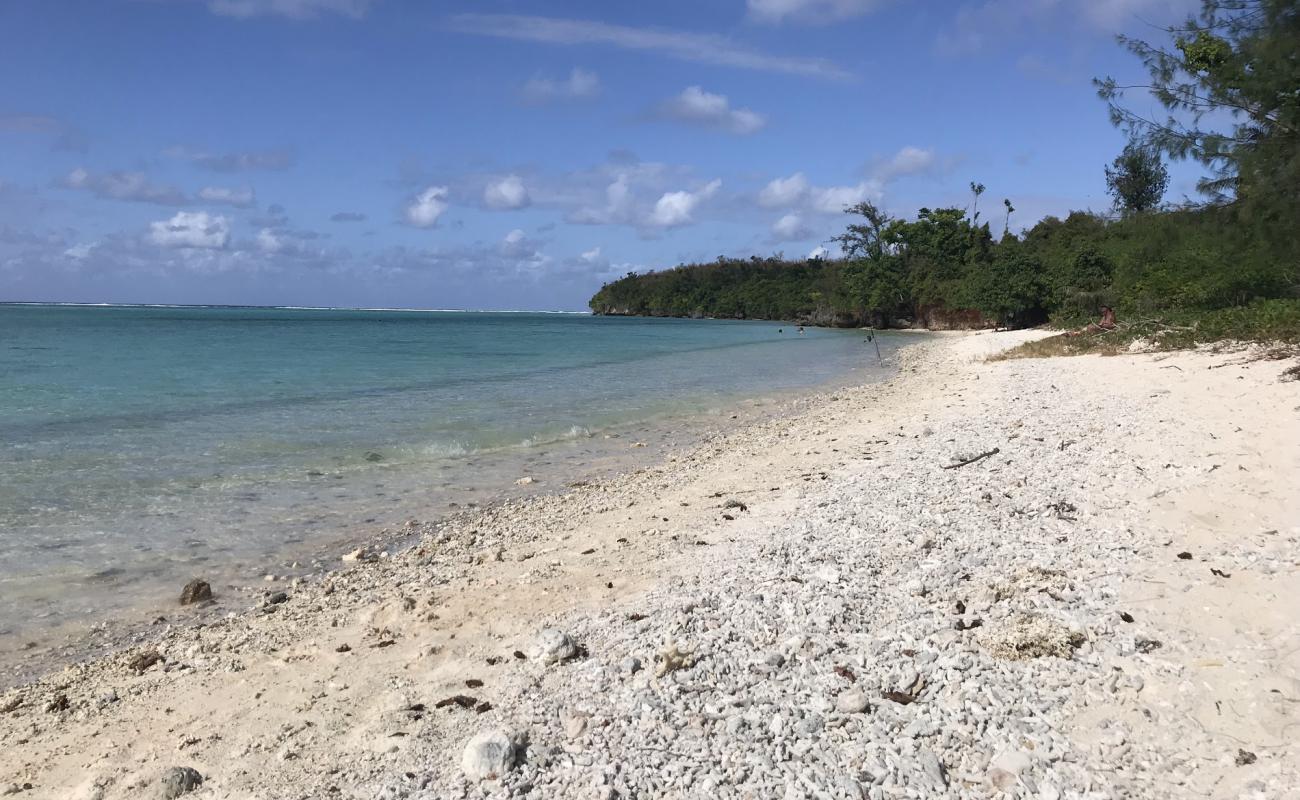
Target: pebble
{"points": [[488, 756], [553, 646], [180, 780]]}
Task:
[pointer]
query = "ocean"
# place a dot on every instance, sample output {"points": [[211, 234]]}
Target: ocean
{"points": [[140, 446]]}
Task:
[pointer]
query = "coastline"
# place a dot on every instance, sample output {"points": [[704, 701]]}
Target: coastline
{"points": [[505, 475], [775, 561]]}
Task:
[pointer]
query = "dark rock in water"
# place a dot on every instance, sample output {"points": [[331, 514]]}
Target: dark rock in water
{"points": [[180, 780], [373, 456], [196, 591]]}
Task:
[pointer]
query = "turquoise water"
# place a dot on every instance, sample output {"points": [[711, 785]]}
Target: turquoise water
{"points": [[140, 445]]}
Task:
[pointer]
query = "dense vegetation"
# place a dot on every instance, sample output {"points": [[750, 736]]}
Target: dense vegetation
{"points": [[1235, 257]]}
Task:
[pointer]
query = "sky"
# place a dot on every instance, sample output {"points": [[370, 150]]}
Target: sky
{"points": [[516, 154]]}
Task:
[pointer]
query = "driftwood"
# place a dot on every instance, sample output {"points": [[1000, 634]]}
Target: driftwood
{"points": [[973, 459]]}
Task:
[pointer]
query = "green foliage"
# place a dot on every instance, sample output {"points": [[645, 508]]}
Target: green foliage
{"points": [[1227, 80], [1137, 179], [1229, 269]]}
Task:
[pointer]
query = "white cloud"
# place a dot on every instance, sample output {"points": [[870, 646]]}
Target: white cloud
{"points": [[197, 229], [592, 256], [818, 252], [507, 193], [130, 186], [675, 208], [580, 85], [814, 11], [834, 199], [617, 208], [79, 251], [427, 207], [907, 161], [269, 242], [784, 192], [681, 45], [239, 198], [698, 107], [516, 244], [293, 9], [790, 227]]}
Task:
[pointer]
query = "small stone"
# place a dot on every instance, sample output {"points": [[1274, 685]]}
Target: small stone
{"points": [[360, 554], [525, 481], [553, 646], [1004, 770], [933, 768], [196, 591], [851, 703], [276, 598], [488, 756], [575, 725], [631, 665], [1245, 757], [180, 780], [774, 660], [490, 554]]}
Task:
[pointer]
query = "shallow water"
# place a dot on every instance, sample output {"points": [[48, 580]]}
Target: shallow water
{"points": [[139, 445]]}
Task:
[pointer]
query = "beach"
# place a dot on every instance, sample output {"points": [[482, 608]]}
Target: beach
{"points": [[1055, 578]]}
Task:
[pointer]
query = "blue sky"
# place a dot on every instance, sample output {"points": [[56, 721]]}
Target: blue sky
{"points": [[509, 154]]}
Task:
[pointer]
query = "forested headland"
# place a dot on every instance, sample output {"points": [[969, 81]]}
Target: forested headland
{"points": [[1229, 84]]}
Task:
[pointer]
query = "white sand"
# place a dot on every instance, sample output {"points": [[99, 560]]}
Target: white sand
{"points": [[1157, 455]]}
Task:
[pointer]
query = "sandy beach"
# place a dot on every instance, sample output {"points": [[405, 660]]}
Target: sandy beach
{"points": [[1049, 578]]}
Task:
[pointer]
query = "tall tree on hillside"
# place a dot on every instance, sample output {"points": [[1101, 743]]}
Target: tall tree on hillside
{"points": [[1006, 225], [1228, 81], [976, 189], [865, 239], [1137, 179]]}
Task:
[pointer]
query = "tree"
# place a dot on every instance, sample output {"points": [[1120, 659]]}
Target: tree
{"points": [[1006, 226], [976, 189], [1137, 179], [1227, 80], [865, 239]]}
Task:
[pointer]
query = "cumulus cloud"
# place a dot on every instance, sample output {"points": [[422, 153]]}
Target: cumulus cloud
{"points": [[617, 208], [242, 161], [790, 227], [239, 198], [130, 186], [427, 207], [516, 243], [348, 216], [675, 208], [809, 11], [801, 197], [784, 192], [505, 194], [681, 45], [698, 107], [197, 229], [818, 252], [268, 241], [834, 199], [293, 9], [592, 256], [580, 85], [907, 161]]}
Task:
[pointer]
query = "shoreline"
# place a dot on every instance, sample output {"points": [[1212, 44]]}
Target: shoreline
{"points": [[28, 653], [755, 574]]}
